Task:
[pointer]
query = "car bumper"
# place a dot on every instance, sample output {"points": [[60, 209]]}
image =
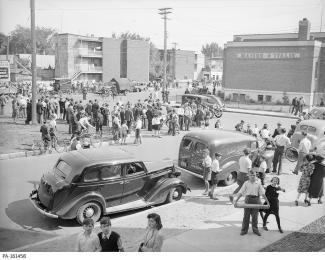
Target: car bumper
{"points": [[37, 205]]}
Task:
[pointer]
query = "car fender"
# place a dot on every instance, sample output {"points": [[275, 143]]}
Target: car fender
{"points": [[69, 211], [159, 192], [228, 168]]}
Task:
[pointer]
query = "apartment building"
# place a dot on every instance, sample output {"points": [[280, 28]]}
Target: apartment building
{"points": [[101, 59]]}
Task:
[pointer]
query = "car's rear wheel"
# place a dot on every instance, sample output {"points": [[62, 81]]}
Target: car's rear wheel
{"points": [[174, 194], [231, 179], [89, 210]]}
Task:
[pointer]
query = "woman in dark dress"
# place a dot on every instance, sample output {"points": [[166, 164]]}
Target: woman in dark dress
{"points": [[272, 195], [316, 187]]}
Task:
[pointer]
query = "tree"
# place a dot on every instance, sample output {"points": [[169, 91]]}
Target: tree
{"points": [[212, 50], [155, 62], [3, 43], [20, 40]]}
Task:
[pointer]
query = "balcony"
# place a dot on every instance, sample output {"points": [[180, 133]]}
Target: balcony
{"points": [[91, 53], [89, 68]]}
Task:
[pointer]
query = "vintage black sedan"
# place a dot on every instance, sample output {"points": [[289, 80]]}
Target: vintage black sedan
{"points": [[91, 183]]}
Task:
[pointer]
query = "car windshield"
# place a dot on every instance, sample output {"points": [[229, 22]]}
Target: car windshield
{"points": [[62, 170], [309, 129]]}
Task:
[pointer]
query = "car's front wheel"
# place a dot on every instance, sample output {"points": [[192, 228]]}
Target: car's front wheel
{"points": [[231, 179], [174, 194], [89, 210]]}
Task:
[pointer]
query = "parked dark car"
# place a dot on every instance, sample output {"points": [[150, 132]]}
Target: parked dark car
{"points": [[214, 104], [90, 183], [229, 143]]}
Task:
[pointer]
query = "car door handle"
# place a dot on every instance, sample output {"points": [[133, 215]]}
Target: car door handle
{"points": [[126, 181], [121, 182]]}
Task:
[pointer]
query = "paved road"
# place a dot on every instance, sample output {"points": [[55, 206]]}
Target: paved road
{"points": [[18, 176]]}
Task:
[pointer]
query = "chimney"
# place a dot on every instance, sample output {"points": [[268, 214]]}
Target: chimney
{"points": [[304, 30]]}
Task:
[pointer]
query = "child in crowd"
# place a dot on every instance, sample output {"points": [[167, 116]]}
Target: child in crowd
{"points": [[272, 195], [262, 169], [110, 241], [87, 241], [124, 132], [138, 126]]}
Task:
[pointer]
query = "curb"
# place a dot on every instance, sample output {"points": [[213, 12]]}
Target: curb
{"points": [[259, 114], [32, 153]]}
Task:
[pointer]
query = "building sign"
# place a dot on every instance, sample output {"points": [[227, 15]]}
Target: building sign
{"points": [[4, 70], [268, 55]]}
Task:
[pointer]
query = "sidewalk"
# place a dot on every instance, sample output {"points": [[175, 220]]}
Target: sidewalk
{"points": [[223, 234], [260, 112]]}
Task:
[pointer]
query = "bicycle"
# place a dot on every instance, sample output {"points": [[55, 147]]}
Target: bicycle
{"points": [[291, 154], [90, 139]]}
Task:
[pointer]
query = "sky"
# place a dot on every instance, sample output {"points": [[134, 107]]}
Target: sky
{"points": [[192, 23]]}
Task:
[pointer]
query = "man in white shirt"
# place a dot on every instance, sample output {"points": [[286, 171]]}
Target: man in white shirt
{"points": [[187, 116], [265, 133], [255, 131], [215, 170], [245, 165], [303, 149], [206, 163], [252, 190], [180, 112], [280, 142]]}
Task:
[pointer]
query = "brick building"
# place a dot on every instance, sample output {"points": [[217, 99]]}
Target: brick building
{"points": [[274, 67], [101, 59]]}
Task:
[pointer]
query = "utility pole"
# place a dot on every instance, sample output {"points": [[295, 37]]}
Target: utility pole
{"points": [[32, 12], [8, 42], [164, 12], [174, 61]]}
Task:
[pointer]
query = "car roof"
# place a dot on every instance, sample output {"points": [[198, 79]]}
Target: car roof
{"points": [[194, 95], [219, 136], [313, 122], [84, 157]]}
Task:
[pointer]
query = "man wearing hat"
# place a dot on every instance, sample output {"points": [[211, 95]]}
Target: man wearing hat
{"points": [[215, 170], [303, 149], [245, 165]]}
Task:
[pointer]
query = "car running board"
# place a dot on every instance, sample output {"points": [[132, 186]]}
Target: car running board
{"points": [[127, 206]]}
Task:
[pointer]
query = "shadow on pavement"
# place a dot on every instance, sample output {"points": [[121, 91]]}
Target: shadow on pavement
{"points": [[11, 238], [23, 214]]}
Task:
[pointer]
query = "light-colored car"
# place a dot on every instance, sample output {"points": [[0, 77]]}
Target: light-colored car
{"points": [[317, 113], [315, 129]]}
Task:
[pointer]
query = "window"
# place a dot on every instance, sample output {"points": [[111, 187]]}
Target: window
{"points": [[134, 168], [199, 147], [268, 98], [62, 169], [109, 172], [308, 129], [92, 175], [260, 98], [187, 144], [316, 70]]}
